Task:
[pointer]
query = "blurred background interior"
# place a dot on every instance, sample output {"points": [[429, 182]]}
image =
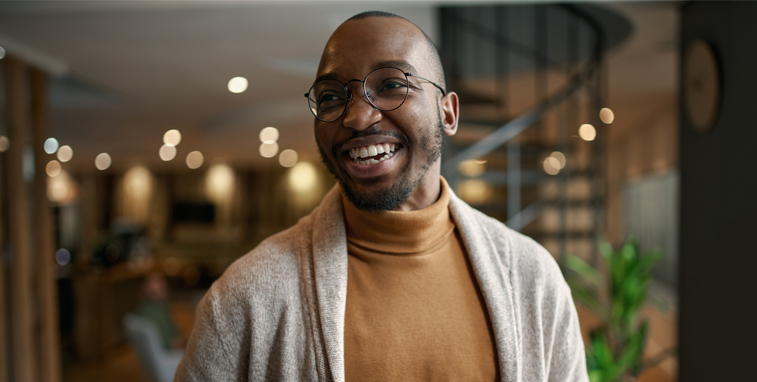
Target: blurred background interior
{"points": [[144, 146]]}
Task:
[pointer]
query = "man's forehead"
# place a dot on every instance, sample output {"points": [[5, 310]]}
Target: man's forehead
{"points": [[358, 46]]}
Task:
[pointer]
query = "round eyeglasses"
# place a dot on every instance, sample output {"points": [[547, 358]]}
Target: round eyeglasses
{"points": [[385, 88]]}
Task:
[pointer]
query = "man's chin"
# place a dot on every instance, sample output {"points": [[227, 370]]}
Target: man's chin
{"points": [[374, 197]]}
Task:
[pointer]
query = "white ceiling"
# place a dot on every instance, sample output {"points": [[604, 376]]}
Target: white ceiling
{"points": [[128, 71]]}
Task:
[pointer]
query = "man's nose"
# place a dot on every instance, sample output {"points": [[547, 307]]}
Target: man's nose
{"points": [[360, 114]]}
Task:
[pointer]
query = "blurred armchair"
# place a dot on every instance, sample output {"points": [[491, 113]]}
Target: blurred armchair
{"points": [[158, 363]]}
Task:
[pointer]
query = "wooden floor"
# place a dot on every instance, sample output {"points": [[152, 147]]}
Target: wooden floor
{"points": [[122, 366]]}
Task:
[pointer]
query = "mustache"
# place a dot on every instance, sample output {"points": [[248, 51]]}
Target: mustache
{"points": [[373, 130]]}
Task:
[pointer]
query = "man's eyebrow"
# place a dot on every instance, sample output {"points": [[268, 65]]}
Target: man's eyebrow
{"points": [[402, 65], [326, 76]]}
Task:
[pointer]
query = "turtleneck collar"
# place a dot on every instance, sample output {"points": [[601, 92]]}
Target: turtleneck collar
{"points": [[400, 233]]}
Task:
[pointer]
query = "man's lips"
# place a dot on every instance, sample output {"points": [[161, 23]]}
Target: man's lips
{"points": [[372, 166], [367, 141]]}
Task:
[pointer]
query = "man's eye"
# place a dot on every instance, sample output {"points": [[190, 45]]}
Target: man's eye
{"points": [[328, 98], [393, 85]]}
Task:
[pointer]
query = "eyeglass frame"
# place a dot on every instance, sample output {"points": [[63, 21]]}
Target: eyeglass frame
{"points": [[350, 95]]}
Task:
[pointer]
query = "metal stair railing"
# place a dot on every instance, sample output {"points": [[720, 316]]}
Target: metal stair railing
{"points": [[505, 135]]}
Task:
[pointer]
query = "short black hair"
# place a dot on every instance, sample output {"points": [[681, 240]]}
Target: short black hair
{"points": [[431, 50]]}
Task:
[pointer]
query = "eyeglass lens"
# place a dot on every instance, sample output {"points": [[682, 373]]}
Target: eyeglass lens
{"points": [[386, 89]]}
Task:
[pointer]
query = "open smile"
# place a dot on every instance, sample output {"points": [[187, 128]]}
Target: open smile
{"points": [[373, 154], [371, 160]]}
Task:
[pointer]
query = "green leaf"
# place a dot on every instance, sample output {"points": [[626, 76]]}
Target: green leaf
{"points": [[591, 275], [605, 249], [589, 298]]}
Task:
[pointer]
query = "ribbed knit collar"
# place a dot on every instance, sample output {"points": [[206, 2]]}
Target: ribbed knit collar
{"points": [[395, 232]]}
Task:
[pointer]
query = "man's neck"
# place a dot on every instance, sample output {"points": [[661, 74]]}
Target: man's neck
{"points": [[427, 192]]}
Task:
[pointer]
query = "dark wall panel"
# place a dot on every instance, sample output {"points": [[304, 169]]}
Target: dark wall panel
{"points": [[718, 231]]}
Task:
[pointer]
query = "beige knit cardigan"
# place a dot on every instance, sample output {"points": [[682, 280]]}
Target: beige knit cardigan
{"points": [[277, 313]]}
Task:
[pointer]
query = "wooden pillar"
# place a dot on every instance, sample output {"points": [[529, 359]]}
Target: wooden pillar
{"points": [[49, 341], [24, 368], [3, 328]]}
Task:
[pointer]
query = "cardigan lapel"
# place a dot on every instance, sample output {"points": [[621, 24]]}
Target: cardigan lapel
{"points": [[493, 277], [330, 270]]}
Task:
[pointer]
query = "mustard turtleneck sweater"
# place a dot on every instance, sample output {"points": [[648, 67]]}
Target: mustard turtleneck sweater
{"points": [[414, 310]]}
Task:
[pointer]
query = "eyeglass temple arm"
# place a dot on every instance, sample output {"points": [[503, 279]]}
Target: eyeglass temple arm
{"points": [[425, 79]]}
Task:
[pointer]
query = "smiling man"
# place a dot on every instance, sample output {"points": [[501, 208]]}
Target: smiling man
{"points": [[392, 277]]}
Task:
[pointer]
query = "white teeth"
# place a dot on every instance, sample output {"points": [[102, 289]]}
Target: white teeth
{"points": [[361, 154]]}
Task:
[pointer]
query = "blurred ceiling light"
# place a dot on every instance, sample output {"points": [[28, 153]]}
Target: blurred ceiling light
{"points": [[560, 158], [2, 52], [102, 161], [167, 152], [471, 169], [551, 166], [194, 160], [474, 191], [172, 137], [62, 256], [138, 183], [481, 161], [53, 168], [219, 183], [61, 189], [587, 132], [51, 145], [269, 135], [303, 177], [5, 143], [269, 150], [288, 158], [65, 153], [606, 115], [237, 84]]}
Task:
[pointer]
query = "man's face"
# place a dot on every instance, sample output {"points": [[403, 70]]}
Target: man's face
{"points": [[413, 133]]}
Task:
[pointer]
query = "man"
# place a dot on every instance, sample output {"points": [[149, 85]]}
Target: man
{"points": [[392, 277]]}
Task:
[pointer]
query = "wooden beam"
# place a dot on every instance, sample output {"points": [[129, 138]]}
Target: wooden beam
{"points": [[24, 368], [49, 345], [3, 328]]}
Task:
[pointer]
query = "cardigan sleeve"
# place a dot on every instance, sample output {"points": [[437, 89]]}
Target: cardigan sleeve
{"points": [[215, 351], [566, 357]]}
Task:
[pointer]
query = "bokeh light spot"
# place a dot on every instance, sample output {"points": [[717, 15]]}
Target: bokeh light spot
{"points": [[102, 161], [237, 85], [195, 159], [65, 153], [53, 168], [587, 132], [51, 145], [288, 158]]}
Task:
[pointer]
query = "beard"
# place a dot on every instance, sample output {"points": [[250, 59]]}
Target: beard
{"points": [[390, 198]]}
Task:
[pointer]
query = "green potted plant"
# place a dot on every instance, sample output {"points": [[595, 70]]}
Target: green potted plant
{"points": [[616, 295]]}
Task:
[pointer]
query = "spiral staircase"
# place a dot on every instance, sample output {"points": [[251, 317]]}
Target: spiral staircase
{"points": [[528, 77]]}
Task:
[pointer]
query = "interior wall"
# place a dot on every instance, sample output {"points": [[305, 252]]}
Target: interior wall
{"points": [[719, 204]]}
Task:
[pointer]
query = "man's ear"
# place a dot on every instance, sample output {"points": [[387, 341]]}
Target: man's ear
{"points": [[450, 113]]}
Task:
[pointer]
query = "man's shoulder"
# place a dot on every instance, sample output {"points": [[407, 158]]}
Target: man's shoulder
{"points": [[269, 267]]}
